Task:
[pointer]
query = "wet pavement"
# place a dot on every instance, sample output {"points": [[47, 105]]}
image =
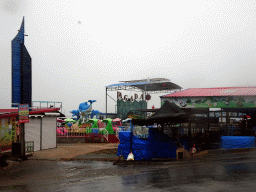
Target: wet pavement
{"points": [[224, 172]]}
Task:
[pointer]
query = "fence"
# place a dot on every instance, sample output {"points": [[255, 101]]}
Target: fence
{"points": [[82, 133], [105, 134], [117, 132], [63, 132]]}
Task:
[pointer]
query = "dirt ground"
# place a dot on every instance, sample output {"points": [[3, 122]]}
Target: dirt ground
{"points": [[75, 149]]}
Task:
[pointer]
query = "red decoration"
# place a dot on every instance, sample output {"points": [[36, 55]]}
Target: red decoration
{"points": [[153, 107]]}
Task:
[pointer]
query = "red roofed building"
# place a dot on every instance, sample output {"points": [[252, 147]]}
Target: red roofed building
{"points": [[220, 97], [231, 102], [219, 91], [40, 131]]}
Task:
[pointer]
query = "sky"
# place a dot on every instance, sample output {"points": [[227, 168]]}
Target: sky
{"points": [[78, 47]]}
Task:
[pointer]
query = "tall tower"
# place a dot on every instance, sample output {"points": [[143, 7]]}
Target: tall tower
{"points": [[21, 70]]}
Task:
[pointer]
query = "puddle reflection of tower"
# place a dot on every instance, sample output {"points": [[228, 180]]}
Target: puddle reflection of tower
{"points": [[21, 70]]}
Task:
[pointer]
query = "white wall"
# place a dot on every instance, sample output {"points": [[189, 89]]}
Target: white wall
{"points": [[32, 132], [49, 132]]}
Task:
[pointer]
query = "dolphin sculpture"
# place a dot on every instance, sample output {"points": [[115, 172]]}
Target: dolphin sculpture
{"points": [[75, 113], [85, 106], [95, 112]]}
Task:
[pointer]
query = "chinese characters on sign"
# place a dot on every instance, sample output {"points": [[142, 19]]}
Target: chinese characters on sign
{"points": [[132, 98], [23, 113]]}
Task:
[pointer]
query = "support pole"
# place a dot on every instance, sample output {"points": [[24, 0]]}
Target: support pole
{"points": [[227, 119], [131, 134], [208, 123], [189, 124], [22, 140], [106, 102]]}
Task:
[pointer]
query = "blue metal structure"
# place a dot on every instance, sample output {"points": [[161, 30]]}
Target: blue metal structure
{"points": [[21, 71]]}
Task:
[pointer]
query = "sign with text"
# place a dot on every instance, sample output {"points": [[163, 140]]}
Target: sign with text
{"points": [[23, 113], [136, 97]]}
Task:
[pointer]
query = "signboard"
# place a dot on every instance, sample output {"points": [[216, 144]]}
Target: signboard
{"points": [[136, 97], [127, 103], [23, 113], [214, 102]]}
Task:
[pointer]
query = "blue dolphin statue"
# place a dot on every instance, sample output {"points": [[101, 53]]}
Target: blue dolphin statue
{"points": [[95, 112]]}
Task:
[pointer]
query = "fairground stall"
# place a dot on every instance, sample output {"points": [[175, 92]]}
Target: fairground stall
{"points": [[194, 118], [235, 107], [160, 135], [40, 131]]}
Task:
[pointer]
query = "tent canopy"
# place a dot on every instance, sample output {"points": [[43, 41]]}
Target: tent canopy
{"points": [[170, 113], [149, 85]]}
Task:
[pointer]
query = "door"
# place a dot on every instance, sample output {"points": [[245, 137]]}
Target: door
{"points": [[32, 132], [49, 124]]}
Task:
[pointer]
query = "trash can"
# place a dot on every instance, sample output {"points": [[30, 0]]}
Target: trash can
{"points": [[16, 149]]}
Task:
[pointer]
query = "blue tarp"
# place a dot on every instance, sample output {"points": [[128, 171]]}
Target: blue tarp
{"points": [[156, 145], [235, 142], [140, 147], [124, 136], [162, 145]]}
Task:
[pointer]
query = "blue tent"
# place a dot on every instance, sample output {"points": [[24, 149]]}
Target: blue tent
{"points": [[235, 142]]}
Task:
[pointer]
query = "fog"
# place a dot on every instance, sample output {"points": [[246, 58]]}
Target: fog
{"points": [[80, 47]]}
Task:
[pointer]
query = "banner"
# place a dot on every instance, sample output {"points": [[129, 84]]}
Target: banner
{"points": [[214, 102], [23, 113]]}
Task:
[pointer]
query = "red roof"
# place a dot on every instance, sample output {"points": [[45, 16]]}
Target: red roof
{"points": [[4, 113], [219, 91], [8, 110]]}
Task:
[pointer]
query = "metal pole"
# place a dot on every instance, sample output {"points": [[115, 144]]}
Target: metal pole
{"points": [[145, 100], [22, 139], [208, 115], [131, 134], [22, 125], [106, 102]]}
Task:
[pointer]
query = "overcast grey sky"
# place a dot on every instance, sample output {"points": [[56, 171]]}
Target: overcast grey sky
{"points": [[78, 47]]}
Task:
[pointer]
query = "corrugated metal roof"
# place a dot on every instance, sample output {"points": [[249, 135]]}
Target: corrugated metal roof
{"points": [[149, 86], [128, 84], [218, 91]]}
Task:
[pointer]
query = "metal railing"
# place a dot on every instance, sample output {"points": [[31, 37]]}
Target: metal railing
{"points": [[105, 134], [117, 132], [63, 132], [82, 132]]}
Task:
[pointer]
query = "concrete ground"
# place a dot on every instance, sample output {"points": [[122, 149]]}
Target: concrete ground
{"points": [[228, 170], [86, 151], [101, 152], [72, 150]]}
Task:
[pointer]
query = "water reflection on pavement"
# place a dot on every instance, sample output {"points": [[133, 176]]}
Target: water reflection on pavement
{"points": [[233, 172]]}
